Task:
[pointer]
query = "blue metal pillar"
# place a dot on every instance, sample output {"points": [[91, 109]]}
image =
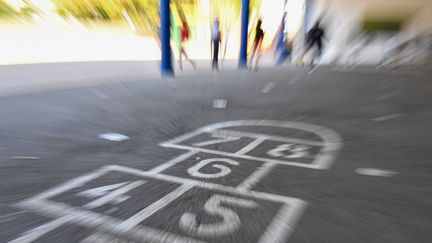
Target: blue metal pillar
{"points": [[165, 22], [281, 49], [244, 34]]}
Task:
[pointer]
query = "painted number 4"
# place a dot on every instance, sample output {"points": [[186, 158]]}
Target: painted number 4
{"points": [[230, 223], [295, 151]]}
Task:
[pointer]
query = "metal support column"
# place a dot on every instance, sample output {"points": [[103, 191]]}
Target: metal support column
{"points": [[244, 34], [165, 22]]}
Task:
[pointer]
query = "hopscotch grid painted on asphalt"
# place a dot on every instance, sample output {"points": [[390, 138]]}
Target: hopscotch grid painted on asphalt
{"points": [[240, 194]]}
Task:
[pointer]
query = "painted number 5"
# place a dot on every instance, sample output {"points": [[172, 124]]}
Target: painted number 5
{"points": [[230, 223], [295, 151]]}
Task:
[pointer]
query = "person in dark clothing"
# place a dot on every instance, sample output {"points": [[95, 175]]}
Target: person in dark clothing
{"points": [[314, 38], [215, 42], [259, 36]]}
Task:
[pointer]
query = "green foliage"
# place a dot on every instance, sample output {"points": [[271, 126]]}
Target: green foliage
{"points": [[6, 10], [373, 26]]}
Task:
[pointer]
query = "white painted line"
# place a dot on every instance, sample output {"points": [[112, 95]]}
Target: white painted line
{"points": [[10, 216], [268, 87], [38, 232], [172, 162], [93, 220], [387, 117], [100, 94], [250, 146], [219, 103], [257, 176], [206, 185], [327, 135], [77, 182], [386, 96], [375, 172], [268, 137], [116, 137], [221, 138], [25, 157], [154, 207], [283, 224], [111, 210], [318, 163], [325, 158]]}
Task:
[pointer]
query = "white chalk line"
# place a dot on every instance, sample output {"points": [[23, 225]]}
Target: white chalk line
{"points": [[314, 165], [375, 172], [327, 135], [25, 157], [191, 183], [387, 117], [331, 141], [267, 137], [69, 214], [39, 231], [250, 146], [172, 162], [386, 96], [116, 137], [268, 87], [10, 216], [257, 176], [205, 185], [154, 207], [91, 219], [219, 103], [283, 224]]}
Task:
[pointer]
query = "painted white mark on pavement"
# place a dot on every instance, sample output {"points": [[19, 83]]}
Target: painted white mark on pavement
{"points": [[116, 137], [24, 157], [268, 87], [111, 210], [375, 172], [216, 206], [387, 117], [385, 97], [100, 94], [10, 216], [224, 170], [219, 103]]}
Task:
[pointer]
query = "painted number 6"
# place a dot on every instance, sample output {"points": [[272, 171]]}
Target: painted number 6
{"points": [[223, 170], [230, 223]]}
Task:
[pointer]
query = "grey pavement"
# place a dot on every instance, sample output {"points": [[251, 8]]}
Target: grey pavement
{"points": [[376, 187]]}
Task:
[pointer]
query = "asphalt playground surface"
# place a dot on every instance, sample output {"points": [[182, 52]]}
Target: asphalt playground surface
{"points": [[274, 155]]}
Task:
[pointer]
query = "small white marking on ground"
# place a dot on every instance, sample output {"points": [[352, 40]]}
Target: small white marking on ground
{"points": [[117, 137], [257, 176], [375, 172], [219, 103], [172, 162], [10, 216], [112, 210], [24, 157], [385, 97], [268, 87], [100, 94], [387, 117]]}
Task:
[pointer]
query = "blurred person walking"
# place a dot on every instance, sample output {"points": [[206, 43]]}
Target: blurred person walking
{"points": [[184, 36], [314, 38], [259, 36], [215, 44]]}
